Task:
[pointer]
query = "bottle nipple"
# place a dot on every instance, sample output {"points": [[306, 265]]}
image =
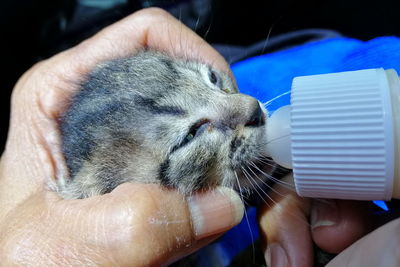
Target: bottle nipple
{"points": [[278, 137]]}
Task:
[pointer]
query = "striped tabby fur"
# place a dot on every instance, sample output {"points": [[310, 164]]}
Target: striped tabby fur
{"points": [[152, 118]]}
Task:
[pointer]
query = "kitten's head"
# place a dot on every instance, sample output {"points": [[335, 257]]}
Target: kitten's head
{"points": [[177, 122]]}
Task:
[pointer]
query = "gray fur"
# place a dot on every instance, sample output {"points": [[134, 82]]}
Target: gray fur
{"points": [[133, 121]]}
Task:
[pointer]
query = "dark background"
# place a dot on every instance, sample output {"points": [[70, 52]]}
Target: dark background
{"points": [[32, 30]]}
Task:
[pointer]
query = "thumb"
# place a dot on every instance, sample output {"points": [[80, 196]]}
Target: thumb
{"points": [[379, 248], [135, 225], [175, 226]]}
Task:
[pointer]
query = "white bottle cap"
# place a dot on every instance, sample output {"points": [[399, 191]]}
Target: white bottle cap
{"points": [[342, 135]]}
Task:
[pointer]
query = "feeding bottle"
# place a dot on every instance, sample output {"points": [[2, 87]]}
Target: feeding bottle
{"points": [[341, 135]]}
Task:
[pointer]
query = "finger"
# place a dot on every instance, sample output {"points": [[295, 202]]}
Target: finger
{"points": [[174, 227], [135, 225], [285, 228], [148, 28], [379, 248], [336, 224]]}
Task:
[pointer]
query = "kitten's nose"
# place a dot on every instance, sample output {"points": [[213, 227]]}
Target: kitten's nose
{"points": [[257, 117]]}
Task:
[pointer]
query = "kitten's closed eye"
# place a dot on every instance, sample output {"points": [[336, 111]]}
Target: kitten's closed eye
{"points": [[195, 130]]}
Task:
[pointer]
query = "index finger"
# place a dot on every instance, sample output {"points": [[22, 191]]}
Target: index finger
{"points": [[284, 227]]}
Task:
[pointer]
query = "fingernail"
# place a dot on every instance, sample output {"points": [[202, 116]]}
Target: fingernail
{"points": [[275, 256], [324, 213], [216, 211]]}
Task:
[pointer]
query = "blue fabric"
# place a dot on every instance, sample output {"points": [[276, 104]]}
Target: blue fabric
{"points": [[267, 76]]}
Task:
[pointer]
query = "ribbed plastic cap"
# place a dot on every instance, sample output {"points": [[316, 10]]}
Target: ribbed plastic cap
{"points": [[342, 135]]}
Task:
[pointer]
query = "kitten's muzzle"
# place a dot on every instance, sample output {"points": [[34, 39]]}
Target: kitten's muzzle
{"points": [[257, 118], [242, 111]]}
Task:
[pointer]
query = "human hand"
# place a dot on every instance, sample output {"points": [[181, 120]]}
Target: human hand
{"points": [[136, 224], [291, 224], [379, 248]]}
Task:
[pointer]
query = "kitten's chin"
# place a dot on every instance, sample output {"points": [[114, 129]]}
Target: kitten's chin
{"points": [[255, 178]]}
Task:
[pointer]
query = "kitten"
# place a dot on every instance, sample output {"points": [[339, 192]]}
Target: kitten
{"points": [[152, 118]]}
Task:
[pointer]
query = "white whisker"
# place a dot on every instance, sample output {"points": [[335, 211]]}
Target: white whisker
{"points": [[247, 218], [263, 182], [275, 98], [280, 137], [278, 169], [197, 24], [207, 31], [285, 184], [276, 203], [262, 190], [267, 39], [266, 161]]}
